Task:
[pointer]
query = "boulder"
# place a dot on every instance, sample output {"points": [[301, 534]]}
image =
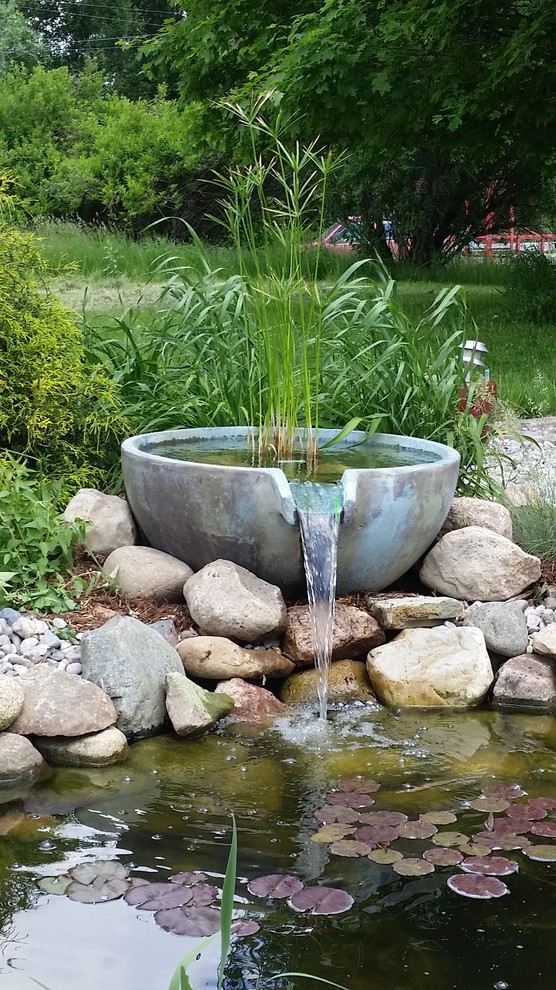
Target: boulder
{"points": [[477, 564], [60, 704], [527, 681], [130, 662], [544, 642], [110, 523], [347, 681], [217, 658], [251, 703], [444, 667], [11, 700], [503, 625], [100, 749], [191, 709], [478, 512], [225, 599], [355, 633], [142, 572], [413, 612], [19, 760]]}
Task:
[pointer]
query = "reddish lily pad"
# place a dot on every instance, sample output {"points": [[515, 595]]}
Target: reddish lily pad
{"points": [[385, 856], [205, 921], [509, 792], [486, 802], [449, 838], [526, 812], [275, 885], [546, 829], [174, 896], [508, 841], [438, 817], [416, 830], [350, 848], [443, 857], [476, 885], [548, 804], [98, 891], [336, 813], [381, 835], [392, 818], [358, 785], [412, 867], [322, 900], [332, 833], [542, 854], [145, 891], [349, 799], [244, 926], [492, 866], [188, 878], [202, 894]]}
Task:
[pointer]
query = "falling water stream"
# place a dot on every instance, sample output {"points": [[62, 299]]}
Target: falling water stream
{"points": [[319, 509]]}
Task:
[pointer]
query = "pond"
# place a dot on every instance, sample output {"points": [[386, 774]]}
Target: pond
{"points": [[168, 809]]}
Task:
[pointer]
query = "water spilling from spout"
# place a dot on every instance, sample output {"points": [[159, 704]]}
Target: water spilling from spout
{"points": [[319, 510]]}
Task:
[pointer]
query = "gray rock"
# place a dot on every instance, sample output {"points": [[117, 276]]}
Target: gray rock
{"points": [[11, 701], [9, 615], [251, 703], [216, 658], [347, 681], [167, 629], [478, 512], [191, 709], [355, 632], [142, 572], [109, 518], [544, 642], [19, 760], [59, 623], [527, 681], [130, 662], [503, 625], [476, 563], [27, 627], [413, 612], [225, 599], [56, 704], [432, 668], [100, 749]]}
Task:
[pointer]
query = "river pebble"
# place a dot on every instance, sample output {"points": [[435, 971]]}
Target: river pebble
{"points": [[26, 640]]}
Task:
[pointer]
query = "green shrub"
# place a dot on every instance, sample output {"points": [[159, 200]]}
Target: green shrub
{"points": [[55, 407], [531, 288]]}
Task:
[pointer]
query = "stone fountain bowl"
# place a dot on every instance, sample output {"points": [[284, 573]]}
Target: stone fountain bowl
{"points": [[202, 512]]}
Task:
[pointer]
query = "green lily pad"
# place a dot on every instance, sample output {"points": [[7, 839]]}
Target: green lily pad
{"points": [[412, 867], [449, 838], [350, 848], [438, 817], [332, 833], [542, 854], [489, 803], [55, 885], [385, 856]]}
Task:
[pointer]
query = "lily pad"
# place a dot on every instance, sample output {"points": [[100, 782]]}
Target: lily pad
{"points": [[438, 817], [549, 804], [349, 799], [244, 926], [443, 857], [381, 835], [392, 818], [188, 878], [486, 802], [546, 829], [55, 885], [322, 900], [202, 894], [542, 854], [508, 792], [275, 885], [526, 812], [492, 866], [108, 869], [336, 813], [174, 896], [146, 891], [98, 891], [474, 848], [350, 848], [449, 838], [476, 885], [385, 856], [416, 830], [358, 785], [412, 867], [331, 833], [205, 921]]}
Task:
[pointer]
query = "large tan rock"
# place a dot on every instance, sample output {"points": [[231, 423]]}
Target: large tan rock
{"points": [[191, 709], [544, 642], [251, 703], [100, 749], [110, 523], [528, 681], [414, 612], [216, 658], [477, 564], [432, 668], [347, 681], [355, 633], [142, 572], [11, 700], [225, 599], [478, 512], [60, 704], [19, 760]]}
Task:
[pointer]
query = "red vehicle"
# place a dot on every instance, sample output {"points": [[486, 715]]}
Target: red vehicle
{"points": [[345, 237]]}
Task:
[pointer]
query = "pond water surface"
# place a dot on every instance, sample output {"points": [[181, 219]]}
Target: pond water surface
{"points": [[169, 808]]}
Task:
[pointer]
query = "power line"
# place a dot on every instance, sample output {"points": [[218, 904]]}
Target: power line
{"points": [[102, 6]]}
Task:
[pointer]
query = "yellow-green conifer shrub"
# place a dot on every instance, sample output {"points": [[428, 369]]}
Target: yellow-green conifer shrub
{"points": [[54, 407]]}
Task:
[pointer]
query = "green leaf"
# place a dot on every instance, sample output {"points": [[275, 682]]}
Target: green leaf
{"points": [[226, 908], [348, 428]]}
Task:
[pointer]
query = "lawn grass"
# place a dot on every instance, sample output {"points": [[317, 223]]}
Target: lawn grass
{"points": [[112, 273]]}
